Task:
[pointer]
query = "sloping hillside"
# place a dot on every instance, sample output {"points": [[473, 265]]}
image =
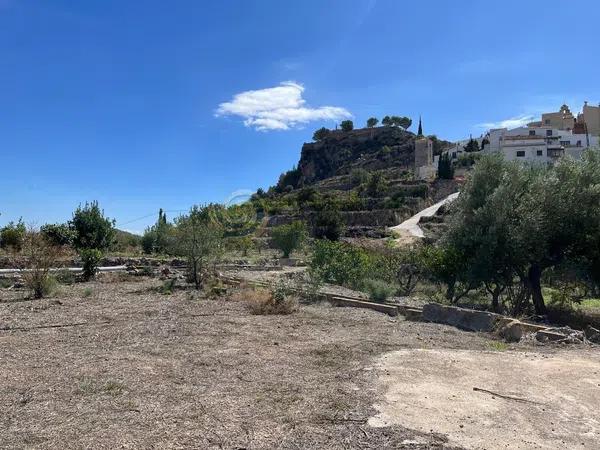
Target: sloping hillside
{"points": [[365, 174]]}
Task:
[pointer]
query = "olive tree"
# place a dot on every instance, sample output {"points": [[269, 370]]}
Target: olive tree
{"points": [[288, 238], [93, 233], [513, 221], [198, 238]]}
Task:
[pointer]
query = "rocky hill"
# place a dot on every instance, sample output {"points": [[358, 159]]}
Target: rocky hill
{"points": [[365, 174], [368, 148]]}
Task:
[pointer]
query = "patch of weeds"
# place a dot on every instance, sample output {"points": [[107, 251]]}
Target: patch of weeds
{"points": [[379, 290], [87, 292], [5, 283], [590, 303], [113, 387], [65, 277], [90, 386], [498, 346], [168, 286], [264, 302], [146, 271], [214, 288], [130, 405]]}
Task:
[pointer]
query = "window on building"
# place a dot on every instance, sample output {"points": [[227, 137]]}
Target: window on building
{"points": [[540, 152], [565, 143], [520, 153], [578, 143], [531, 132], [548, 132], [547, 121]]}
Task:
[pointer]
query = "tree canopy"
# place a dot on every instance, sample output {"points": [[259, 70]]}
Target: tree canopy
{"points": [[372, 122], [347, 125], [513, 221]]}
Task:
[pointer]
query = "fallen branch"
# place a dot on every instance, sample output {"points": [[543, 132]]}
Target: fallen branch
{"points": [[507, 397], [39, 327]]}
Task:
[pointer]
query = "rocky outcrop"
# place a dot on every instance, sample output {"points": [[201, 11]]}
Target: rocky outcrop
{"points": [[369, 148]]}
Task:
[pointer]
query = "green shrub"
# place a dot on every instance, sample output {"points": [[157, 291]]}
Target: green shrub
{"points": [[380, 290], [359, 176], [376, 185], [168, 286], [468, 159], [65, 276], [320, 134], [347, 125], [39, 256], [149, 241], [58, 233], [126, 242], [91, 228], [401, 267], [90, 258], [306, 196], [288, 238], [240, 243], [339, 263], [11, 235], [328, 224]]}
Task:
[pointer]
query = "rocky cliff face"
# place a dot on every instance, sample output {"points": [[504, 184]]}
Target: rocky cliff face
{"points": [[369, 148]]}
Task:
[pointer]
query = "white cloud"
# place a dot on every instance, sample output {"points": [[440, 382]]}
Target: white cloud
{"points": [[513, 122], [278, 108]]}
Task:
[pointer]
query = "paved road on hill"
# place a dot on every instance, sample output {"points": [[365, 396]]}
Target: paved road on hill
{"points": [[411, 226]]}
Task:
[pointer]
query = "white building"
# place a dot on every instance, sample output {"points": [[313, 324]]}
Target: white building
{"points": [[538, 144]]}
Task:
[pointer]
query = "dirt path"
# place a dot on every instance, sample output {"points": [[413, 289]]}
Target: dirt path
{"points": [[494, 400]]}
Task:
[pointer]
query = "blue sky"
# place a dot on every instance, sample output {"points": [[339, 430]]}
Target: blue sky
{"points": [[142, 105]]}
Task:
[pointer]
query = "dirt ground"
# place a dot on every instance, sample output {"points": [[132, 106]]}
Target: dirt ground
{"points": [[491, 400], [119, 365]]}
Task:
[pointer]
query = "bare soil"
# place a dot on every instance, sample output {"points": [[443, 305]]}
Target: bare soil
{"points": [[495, 400], [116, 364]]}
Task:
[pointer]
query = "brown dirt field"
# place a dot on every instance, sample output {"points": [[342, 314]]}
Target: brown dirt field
{"points": [[138, 369]]}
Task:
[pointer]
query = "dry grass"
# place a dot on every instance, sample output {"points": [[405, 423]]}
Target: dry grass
{"points": [[262, 302], [130, 368]]}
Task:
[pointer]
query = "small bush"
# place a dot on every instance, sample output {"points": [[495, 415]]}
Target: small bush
{"points": [[347, 125], [358, 176], [59, 234], [328, 224], [91, 259], [288, 238], [87, 292], [41, 287], [65, 277], [168, 286], [264, 302], [339, 263], [376, 185], [12, 235], [39, 257], [379, 290]]}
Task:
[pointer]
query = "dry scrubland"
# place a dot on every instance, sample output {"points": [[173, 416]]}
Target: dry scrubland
{"points": [[133, 368]]}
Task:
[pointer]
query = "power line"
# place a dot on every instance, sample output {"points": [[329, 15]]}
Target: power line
{"points": [[149, 215]]}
